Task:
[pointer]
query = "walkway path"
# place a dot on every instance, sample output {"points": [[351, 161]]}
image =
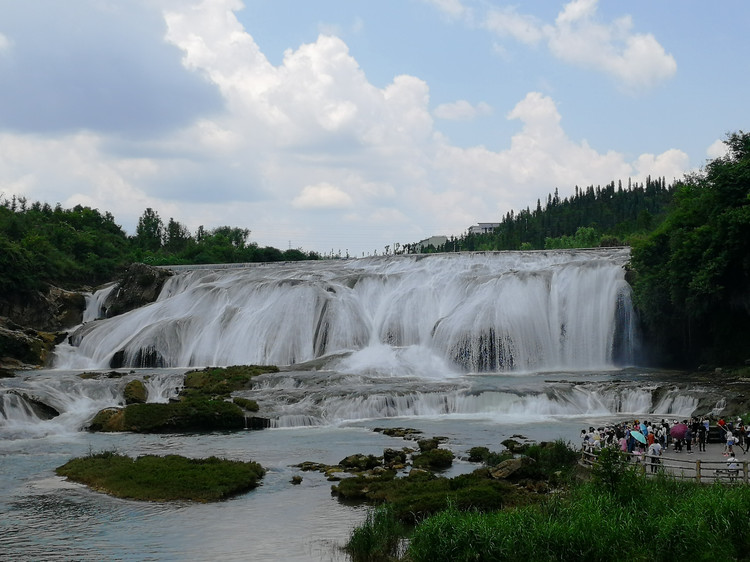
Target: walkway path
{"points": [[706, 466]]}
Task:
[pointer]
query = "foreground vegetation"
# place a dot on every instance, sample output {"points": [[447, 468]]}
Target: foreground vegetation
{"points": [[617, 514], [168, 478]]}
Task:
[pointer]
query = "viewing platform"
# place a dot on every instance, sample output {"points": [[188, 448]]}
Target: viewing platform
{"points": [[702, 466]]}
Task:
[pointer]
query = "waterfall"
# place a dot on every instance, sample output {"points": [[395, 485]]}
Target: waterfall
{"points": [[477, 312], [95, 303]]}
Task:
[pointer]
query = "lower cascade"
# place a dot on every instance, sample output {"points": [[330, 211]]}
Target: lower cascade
{"points": [[434, 315]]}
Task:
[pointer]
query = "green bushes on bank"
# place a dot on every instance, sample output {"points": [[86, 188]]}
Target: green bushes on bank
{"points": [[616, 514], [168, 478]]}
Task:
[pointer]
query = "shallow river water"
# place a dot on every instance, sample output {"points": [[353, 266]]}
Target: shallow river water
{"points": [[43, 517]]}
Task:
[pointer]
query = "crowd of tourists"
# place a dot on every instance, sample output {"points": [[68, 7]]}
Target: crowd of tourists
{"points": [[648, 440]]}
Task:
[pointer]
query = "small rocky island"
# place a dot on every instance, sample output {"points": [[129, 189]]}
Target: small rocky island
{"points": [[168, 478]]}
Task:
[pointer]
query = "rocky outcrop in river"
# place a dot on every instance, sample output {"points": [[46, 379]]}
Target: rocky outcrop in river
{"points": [[32, 324]]}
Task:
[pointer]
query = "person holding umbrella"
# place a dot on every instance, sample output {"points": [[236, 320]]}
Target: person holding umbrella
{"points": [[677, 432]]}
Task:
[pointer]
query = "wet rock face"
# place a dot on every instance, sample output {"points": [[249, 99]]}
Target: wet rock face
{"points": [[139, 286], [52, 310], [25, 347], [30, 326]]}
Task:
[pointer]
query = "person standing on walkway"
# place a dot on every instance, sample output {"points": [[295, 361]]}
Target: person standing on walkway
{"points": [[702, 438], [654, 451], [728, 448], [689, 440], [733, 467]]}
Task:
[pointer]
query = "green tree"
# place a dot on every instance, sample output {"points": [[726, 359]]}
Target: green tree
{"points": [[693, 272], [149, 233]]}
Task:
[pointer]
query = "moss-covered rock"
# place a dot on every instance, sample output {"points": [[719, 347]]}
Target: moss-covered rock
{"points": [[428, 444], [201, 405], [221, 381], [360, 462], [185, 415], [23, 347], [168, 478], [109, 420], [135, 392], [434, 459], [423, 493], [402, 432], [514, 446], [246, 404]]}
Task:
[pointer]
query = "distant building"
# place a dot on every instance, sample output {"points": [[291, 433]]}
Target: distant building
{"points": [[433, 241], [483, 228]]}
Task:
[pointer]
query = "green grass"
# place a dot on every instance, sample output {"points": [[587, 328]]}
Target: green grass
{"points": [[169, 478], [379, 538], [614, 514], [664, 519], [422, 494]]}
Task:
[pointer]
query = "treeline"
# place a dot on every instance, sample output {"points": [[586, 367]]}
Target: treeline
{"points": [[601, 216], [81, 246], [692, 272], [690, 260]]}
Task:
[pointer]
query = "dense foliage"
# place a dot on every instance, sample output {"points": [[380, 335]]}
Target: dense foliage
{"points": [[82, 246], [617, 514], [692, 282], [168, 478], [601, 216], [664, 519]]}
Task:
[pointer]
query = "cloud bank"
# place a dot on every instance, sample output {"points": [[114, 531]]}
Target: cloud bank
{"points": [[308, 152]]}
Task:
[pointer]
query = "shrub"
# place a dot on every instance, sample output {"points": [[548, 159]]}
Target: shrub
{"points": [[435, 459]]}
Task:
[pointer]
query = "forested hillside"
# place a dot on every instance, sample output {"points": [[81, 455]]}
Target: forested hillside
{"points": [[692, 273], [81, 246], [603, 216]]}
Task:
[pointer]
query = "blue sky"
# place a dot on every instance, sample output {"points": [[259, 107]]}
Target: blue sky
{"points": [[351, 125]]}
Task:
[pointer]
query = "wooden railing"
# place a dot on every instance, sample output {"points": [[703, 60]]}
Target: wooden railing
{"points": [[699, 470]]}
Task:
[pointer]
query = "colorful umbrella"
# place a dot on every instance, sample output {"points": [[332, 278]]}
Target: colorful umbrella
{"points": [[678, 430], [639, 436]]}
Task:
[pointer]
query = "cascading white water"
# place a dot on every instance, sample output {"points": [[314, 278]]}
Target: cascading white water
{"points": [[479, 312], [95, 303]]}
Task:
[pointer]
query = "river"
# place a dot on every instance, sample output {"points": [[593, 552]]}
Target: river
{"points": [[476, 348]]}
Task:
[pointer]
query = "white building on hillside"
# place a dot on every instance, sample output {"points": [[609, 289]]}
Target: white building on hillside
{"points": [[483, 228], [434, 241]]}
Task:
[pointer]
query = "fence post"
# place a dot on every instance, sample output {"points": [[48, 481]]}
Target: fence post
{"points": [[698, 471], [744, 471]]}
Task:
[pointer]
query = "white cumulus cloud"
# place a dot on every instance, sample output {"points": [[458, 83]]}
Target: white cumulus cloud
{"points": [[322, 196], [461, 110], [637, 61]]}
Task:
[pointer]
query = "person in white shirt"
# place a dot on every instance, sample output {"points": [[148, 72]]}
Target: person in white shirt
{"points": [[654, 451]]}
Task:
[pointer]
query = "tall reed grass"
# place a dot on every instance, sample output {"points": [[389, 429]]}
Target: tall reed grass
{"points": [[663, 519], [379, 538]]}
